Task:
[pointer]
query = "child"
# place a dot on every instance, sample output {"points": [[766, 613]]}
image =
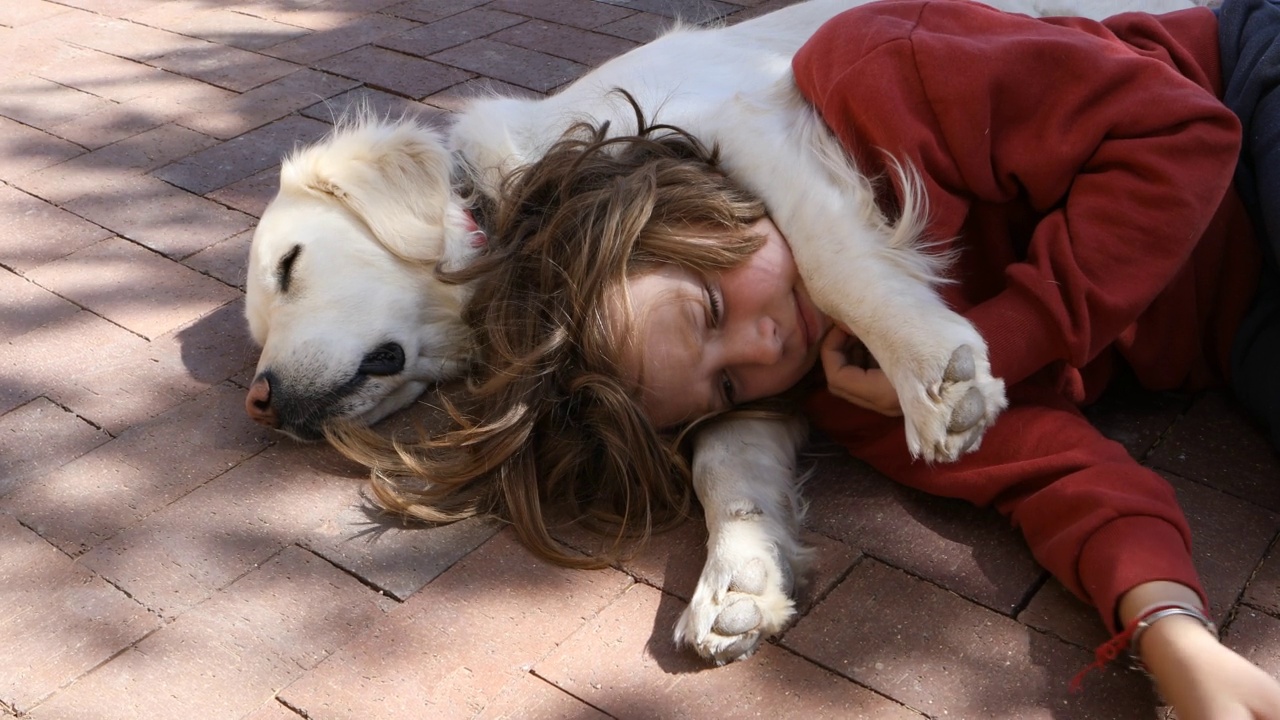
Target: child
{"points": [[1084, 171]]}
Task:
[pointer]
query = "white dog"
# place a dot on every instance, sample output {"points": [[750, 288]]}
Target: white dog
{"points": [[341, 297]]}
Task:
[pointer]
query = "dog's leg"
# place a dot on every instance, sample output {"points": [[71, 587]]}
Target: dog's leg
{"points": [[859, 271], [744, 475]]}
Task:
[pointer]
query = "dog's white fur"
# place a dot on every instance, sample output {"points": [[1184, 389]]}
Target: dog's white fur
{"points": [[367, 215], [372, 208]]}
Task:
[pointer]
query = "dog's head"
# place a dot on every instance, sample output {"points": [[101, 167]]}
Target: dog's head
{"points": [[340, 291]]}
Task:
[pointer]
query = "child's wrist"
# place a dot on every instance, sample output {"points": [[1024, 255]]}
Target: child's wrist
{"points": [[1158, 637], [1171, 639], [1164, 629]]}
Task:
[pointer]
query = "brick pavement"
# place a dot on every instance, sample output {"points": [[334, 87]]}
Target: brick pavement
{"points": [[160, 556]]}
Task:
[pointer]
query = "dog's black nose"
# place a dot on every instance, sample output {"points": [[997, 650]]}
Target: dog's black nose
{"points": [[386, 359]]}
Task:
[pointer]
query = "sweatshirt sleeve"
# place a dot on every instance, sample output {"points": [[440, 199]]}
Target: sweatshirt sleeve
{"points": [[1123, 159]]}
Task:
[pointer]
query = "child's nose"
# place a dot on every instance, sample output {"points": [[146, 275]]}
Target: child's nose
{"points": [[760, 343]]}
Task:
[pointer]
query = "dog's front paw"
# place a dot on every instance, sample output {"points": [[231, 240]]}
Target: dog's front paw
{"points": [[947, 417], [741, 600]]}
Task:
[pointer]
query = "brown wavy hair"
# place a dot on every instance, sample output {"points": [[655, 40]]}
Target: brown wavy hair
{"points": [[549, 429]]}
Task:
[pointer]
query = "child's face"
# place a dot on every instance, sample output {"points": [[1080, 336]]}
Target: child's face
{"points": [[705, 345]]}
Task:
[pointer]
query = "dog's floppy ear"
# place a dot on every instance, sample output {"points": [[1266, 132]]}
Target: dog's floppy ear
{"points": [[394, 176]]}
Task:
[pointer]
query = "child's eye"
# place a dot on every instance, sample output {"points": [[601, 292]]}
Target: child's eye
{"points": [[726, 387], [717, 307]]}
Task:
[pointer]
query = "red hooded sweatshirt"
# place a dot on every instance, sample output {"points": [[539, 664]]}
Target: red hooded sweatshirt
{"points": [[1082, 171]]}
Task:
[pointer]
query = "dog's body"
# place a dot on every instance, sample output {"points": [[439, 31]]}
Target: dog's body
{"points": [[341, 296]]}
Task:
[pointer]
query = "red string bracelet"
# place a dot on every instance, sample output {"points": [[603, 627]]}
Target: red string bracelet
{"points": [[1132, 634]]}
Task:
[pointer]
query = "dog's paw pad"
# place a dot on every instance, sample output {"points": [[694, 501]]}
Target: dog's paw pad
{"points": [[740, 617], [961, 367], [749, 578], [947, 417], [967, 412], [739, 602]]}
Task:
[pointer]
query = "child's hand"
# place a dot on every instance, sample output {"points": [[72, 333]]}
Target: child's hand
{"points": [[1203, 679], [852, 375]]}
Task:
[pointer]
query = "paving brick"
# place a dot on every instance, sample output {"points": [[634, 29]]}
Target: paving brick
{"points": [[323, 15], [141, 153], [133, 287], [273, 710], [266, 103], [970, 551], [1264, 589], [532, 698], [1214, 444], [106, 75], [183, 553], [429, 11], [461, 642], [16, 13], [1229, 539], [226, 261], [119, 391], [1055, 610], [114, 37], [25, 306], [77, 509], [224, 27], [210, 349], [1136, 418], [58, 619], [456, 98], [157, 215], [24, 150], [392, 555], [100, 171], [230, 655], [672, 561], [252, 194], [625, 664], [588, 48], [526, 68], [44, 105], [929, 649], [451, 31], [24, 52], [179, 98], [383, 104], [393, 71], [110, 123], [757, 4], [83, 118], [578, 13], [226, 67], [1256, 636], [699, 13], [40, 362], [347, 36], [111, 8], [40, 436], [640, 28], [241, 157]]}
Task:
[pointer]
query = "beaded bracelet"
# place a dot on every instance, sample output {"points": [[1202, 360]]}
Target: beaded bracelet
{"points": [[1129, 638]]}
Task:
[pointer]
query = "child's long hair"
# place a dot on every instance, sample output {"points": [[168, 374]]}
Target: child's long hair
{"points": [[549, 428]]}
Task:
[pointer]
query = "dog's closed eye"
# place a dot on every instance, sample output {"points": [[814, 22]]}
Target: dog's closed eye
{"points": [[284, 271]]}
